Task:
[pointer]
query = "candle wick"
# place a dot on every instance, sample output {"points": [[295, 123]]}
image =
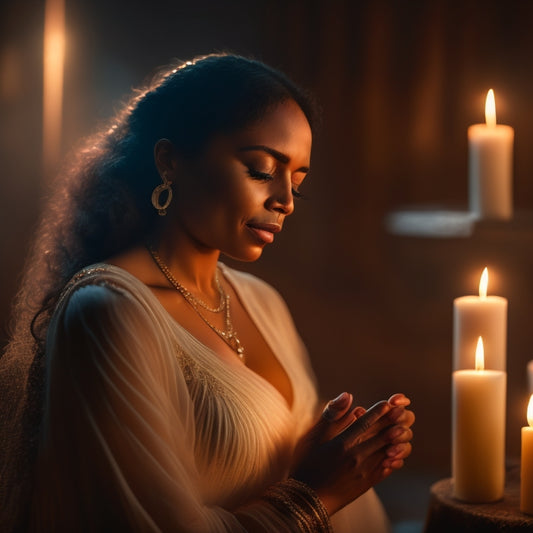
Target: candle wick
{"points": [[491, 121]]}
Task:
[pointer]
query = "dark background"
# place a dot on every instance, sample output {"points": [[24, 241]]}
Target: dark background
{"points": [[399, 82]]}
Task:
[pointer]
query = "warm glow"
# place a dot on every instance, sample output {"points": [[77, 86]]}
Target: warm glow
{"points": [[530, 411], [53, 66], [480, 355], [490, 109], [484, 283]]}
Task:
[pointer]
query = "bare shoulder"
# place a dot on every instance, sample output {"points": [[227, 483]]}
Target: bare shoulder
{"points": [[138, 263]]}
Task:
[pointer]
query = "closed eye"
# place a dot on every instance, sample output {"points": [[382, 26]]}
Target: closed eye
{"points": [[258, 175], [265, 176]]}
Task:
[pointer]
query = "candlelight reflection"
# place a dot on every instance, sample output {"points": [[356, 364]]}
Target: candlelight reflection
{"points": [[53, 66]]}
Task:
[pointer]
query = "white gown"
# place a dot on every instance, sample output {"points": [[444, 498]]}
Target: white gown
{"points": [[146, 428]]}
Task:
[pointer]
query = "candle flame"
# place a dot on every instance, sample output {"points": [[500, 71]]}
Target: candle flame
{"points": [[484, 283], [480, 355], [530, 411], [490, 109]]}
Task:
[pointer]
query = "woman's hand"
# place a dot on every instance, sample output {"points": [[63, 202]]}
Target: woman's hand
{"points": [[350, 449]]}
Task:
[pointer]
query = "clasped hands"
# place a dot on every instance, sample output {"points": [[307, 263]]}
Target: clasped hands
{"points": [[350, 449]]}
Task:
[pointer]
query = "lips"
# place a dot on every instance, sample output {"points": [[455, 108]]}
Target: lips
{"points": [[263, 232]]}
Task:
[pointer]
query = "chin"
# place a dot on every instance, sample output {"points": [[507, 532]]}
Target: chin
{"points": [[246, 256]]}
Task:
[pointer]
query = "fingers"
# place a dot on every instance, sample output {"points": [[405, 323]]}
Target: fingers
{"points": [[400, 447], [336, 408], [396, 455], [383, 431], [367, 425], [398, 434], [373, 435], [401, 416], [358, 412], [399, 399], [389, 441], [336, 416]]}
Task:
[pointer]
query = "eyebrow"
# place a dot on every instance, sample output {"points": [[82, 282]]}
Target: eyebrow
{"points": [[282, 158]]}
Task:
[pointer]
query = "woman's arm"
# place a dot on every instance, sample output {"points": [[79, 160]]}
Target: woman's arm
{"points": [[118, 432]]}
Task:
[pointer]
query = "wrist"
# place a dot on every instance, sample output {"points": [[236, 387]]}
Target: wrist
{"points": [[297, 500]]}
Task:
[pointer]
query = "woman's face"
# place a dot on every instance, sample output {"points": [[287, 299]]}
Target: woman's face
{"points": [[235, 196]]}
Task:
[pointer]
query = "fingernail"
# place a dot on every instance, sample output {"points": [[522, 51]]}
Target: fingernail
{"points": [[331, 411], [359, 411], [340, 401]]}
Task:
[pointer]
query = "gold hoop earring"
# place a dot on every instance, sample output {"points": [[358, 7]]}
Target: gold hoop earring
{"points": [[164, 187]]}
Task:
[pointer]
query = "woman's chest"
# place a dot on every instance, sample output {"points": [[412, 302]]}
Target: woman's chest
{"points": [[231, 329], [244, 433]]}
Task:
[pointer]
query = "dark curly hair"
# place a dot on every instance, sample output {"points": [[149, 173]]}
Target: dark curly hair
{"points": [[105, 205], [101, 206]]}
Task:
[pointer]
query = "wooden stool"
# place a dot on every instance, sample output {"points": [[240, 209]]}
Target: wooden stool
{"points": [[448, 515]]}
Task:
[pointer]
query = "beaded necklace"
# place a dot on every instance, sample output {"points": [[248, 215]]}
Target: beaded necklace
{"points": [[228, 335]]}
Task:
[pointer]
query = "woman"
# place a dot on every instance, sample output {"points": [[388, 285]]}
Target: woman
{"points": [[166, 391]]}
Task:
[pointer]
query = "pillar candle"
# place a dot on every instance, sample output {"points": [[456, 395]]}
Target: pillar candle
{"points": [[478, 432], [490, 166], [526, 466], [475, 316]]}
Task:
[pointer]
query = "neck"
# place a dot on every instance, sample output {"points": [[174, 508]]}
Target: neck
{"points": [[194, 266]]}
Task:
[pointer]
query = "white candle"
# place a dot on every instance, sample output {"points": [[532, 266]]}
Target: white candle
{"points": [[490, 166], [526, 466], [475, 316], [478, 432]]}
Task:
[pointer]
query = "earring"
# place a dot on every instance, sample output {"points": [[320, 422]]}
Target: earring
{"points": [[165, 187]]}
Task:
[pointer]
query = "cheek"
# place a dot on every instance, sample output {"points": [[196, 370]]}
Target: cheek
{"points": [[243, 195], [223, 194]]}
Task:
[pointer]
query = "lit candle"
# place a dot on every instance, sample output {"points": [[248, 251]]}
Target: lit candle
{"points": [[484, 316], [490, 166], [526, 467], [478, 432]]}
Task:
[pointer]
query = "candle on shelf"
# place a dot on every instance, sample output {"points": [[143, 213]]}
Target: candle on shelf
{"points": [[490, 166], [484, 316], [478, 432], [526, 466]]}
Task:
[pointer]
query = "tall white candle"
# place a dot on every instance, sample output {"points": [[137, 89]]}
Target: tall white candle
{"points": [[475, 316], [478, 432], [490, 166], [526, 465]]}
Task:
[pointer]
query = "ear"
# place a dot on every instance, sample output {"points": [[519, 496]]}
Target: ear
{"points": [[165, 158]]}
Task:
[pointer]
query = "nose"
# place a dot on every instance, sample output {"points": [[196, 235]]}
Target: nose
{"points": [[281, 199]]}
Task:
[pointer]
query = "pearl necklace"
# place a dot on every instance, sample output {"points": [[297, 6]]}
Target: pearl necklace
{"points": [[228, 335]]}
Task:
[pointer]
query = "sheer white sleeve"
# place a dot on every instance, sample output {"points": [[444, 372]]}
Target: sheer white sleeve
{"points": [[119, 446]]}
